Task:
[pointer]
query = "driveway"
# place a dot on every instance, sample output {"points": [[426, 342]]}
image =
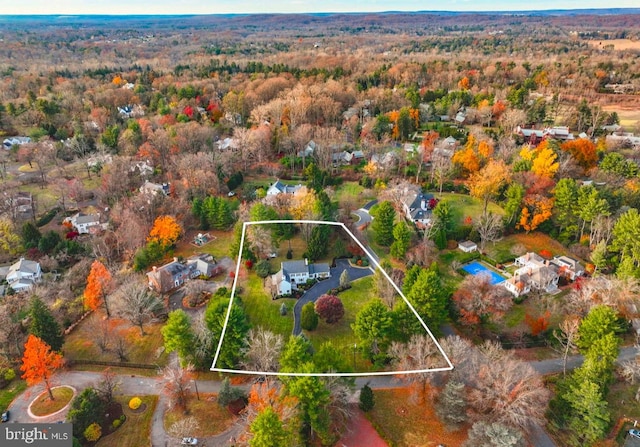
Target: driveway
{"points": [[311, 295]]}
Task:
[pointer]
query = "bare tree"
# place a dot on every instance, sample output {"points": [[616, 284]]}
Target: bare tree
{"points": [[183, 428], [177, 383], [136, 303], [420, 352], [263, 350], [108, 385], [489, 227], [121, 347], [101, 332], [567, 334]]}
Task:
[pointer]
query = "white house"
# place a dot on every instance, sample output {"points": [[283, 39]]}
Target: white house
{"points": [[85, 223], [280, 188], [293, 273], [8, 143], [534, 273], [23, 275], [568, 267], [468, 246], [417, 207], [153, 189]]}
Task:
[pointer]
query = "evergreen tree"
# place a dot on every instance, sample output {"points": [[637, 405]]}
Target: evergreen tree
{"points": [[373, 326], [452, 404], [564, 206], [444, 218], [178, 335], [296, 352], [309, 317], [600, 321], [514, 195], [590, 418], [235, 334], [410, 278], [382, 225], [429, 298], [267, 430], [401, 240], [345, 281], [367, 399], [318, 242], [44, 325], [30, 235]]}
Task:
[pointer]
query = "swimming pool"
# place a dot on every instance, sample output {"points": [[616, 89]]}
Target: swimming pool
{"points": [[476, 268]]}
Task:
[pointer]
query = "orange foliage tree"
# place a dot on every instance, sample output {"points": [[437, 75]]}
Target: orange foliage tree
{"points": [[539, 324], [165, 231], [467, 159], [39, 362], [98, 283], [583, 151], [536, 210]]}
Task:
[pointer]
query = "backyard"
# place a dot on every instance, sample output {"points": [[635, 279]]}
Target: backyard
{"points": [[136, 430]]}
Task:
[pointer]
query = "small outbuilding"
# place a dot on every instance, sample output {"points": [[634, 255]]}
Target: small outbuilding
{"points": [[468, 246]]}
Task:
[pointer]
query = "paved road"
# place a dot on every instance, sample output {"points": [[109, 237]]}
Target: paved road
{"points": [[311, 295]]}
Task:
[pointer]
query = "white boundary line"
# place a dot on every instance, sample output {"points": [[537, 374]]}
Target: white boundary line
{"points": [[369, 255]]}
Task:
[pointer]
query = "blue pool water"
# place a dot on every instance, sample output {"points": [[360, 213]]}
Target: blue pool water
{"points": [[476, 268]]}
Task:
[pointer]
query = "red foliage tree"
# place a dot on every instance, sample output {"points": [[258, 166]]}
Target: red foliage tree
{"points": [[329, 308], [477, 299]]}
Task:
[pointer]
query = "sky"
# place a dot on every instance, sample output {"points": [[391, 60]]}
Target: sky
{"points": [[71, 7]]}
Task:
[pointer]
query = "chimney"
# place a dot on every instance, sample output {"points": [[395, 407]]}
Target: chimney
{"points": [[306, 261], [175, 259], [154, 268]]}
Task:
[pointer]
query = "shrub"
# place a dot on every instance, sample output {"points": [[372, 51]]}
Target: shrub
{"points": [[309, 317], [135, 403], [367, 400], [283, 309], [9, 374], [117, 423], [93, 432], [47, 217]]}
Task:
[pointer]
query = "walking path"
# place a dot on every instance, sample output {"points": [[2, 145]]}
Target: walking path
{"points": [[311, 295]]}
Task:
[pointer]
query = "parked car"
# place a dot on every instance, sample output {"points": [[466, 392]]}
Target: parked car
{"points": [[189, 441], [634, 433], [5, 416]]}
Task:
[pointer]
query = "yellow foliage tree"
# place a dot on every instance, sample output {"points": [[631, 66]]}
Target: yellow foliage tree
{"points": [[303, 204], [9, 240], [467, 159], [545, 164], [165, 231], [486, 183], [485, 149]]}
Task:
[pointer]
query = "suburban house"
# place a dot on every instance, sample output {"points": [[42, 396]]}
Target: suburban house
{"points": [[19, 204], [227, 144], [624, 139], [536, 136], [309, 149], [85, 223], [8, 143], [22, 275], [468, 246], [296, 272], [534, 272], [568, 267], [153, 189], [418, 206], [174, 274], [280, 188]]}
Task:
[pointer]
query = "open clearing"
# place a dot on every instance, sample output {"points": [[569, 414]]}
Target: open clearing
{"points": [[617, 44]]}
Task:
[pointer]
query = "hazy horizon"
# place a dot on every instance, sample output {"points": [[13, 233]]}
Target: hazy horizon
{"points": [[199, 7]]}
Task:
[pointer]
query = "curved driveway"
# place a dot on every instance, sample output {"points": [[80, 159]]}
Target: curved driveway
{"points": [[311, 295]]}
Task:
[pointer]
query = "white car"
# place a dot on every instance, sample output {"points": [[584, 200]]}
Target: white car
{"points": [[189, 441]]}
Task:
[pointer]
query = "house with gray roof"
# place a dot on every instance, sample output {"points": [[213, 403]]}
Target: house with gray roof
{"points": [[23, 274], [293, 273], [418, 207], [280, 188], [174, 274]]}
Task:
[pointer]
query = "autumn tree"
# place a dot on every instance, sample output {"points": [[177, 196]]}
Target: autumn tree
{"points": [[583, 151], [545, 162], [165, 231], [9, 239], [329, 308], [98, 287], [487, 182], [39, 363], [535, 211], [134, 302], [477, 300], [176, 380], [427, 146]]}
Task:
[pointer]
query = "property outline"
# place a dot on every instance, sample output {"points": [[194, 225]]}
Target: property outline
{"points": [[345, 374]]}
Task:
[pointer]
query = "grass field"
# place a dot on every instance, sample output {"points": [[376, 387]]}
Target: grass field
{"points": [[212, 418], [263, 311], [80, 344], [8, 393], [617, 44], [340, 334], [405, 423], [136, 431], [463, 206], [43, 405]]}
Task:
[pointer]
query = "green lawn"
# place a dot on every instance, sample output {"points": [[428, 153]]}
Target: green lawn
{"points": [[463, 206], [340, 334], [501, 251], [136, 430], [8, 393], [263, 311]]}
